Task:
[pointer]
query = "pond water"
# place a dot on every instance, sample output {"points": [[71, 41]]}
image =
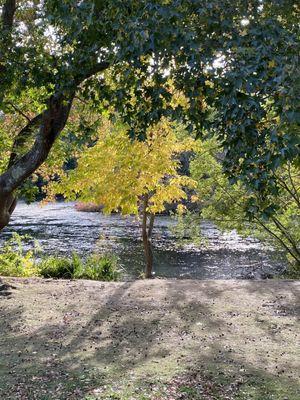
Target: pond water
{"points": [[61, 229]]}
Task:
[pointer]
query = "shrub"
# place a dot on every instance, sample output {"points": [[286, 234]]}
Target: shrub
{"points": [[88, 207], [14, 261], [95, 267], [57, 267], [101, 268]]}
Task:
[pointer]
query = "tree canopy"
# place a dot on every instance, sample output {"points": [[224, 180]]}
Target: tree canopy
{"points": [[234, 61], [119, 173], [131, 177]]}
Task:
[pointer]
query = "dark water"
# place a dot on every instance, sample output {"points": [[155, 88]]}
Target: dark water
{"points": [[61, 229]]}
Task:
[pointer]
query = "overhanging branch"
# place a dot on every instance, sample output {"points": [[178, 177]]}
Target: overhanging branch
{"points": [[19, 111], [52, 121], [22, 136], [93, 70]]}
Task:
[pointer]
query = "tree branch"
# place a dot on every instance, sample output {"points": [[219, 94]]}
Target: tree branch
{"points": [[293, 192], [53, 120], [22, 137], [19, 111], [93, 70], [296, 191], [286, 234], [273, 234]]}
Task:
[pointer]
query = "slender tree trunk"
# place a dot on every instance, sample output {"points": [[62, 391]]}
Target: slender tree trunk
{"points": [[147, 233], [148, 256]]}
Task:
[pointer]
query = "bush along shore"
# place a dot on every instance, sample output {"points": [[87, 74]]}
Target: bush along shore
{"points": [[18, 262]]}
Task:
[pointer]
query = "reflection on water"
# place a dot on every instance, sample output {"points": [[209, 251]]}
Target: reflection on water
{"points": [[61, 229]]}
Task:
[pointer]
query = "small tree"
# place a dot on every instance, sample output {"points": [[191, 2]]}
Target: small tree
{"points": [[232, 206], [131, 177]]}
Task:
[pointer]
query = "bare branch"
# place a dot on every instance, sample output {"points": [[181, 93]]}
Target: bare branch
{"points": [[19, 111], [81, 100], [278, 238], [293, 190], [286, 234], [296, 191]]}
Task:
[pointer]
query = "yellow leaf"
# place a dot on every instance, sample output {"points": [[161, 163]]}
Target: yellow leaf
{"points": [[209, 84], [271, 64]]}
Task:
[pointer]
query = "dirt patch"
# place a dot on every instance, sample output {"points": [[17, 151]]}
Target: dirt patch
{"points": [[160, 339]]}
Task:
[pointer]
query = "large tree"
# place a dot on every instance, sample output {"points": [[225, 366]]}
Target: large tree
{"points": [[50, 51], [104, 51]]}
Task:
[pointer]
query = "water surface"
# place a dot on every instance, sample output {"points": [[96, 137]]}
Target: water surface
{"points": [[61, 229]]}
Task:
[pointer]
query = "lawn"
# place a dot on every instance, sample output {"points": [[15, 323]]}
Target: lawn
{"points": [[142, 340]]}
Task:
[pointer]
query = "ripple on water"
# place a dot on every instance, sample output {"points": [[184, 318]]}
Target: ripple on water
{"points": [[61, 229]]}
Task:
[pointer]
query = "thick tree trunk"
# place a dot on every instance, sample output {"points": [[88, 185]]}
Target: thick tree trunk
{"points": [[7, 205], [46, 126], [52, 121], [6, 26], [8, 12]]}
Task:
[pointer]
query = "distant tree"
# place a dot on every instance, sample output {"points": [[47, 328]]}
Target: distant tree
{"points": [[131, 177]]}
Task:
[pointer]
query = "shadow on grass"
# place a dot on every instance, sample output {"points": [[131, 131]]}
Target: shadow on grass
{"points": [[284, 304], [5, 289], [142, 336]]}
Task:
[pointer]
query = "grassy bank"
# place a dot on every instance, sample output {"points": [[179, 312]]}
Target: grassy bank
{"points": [[160, 339]]}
